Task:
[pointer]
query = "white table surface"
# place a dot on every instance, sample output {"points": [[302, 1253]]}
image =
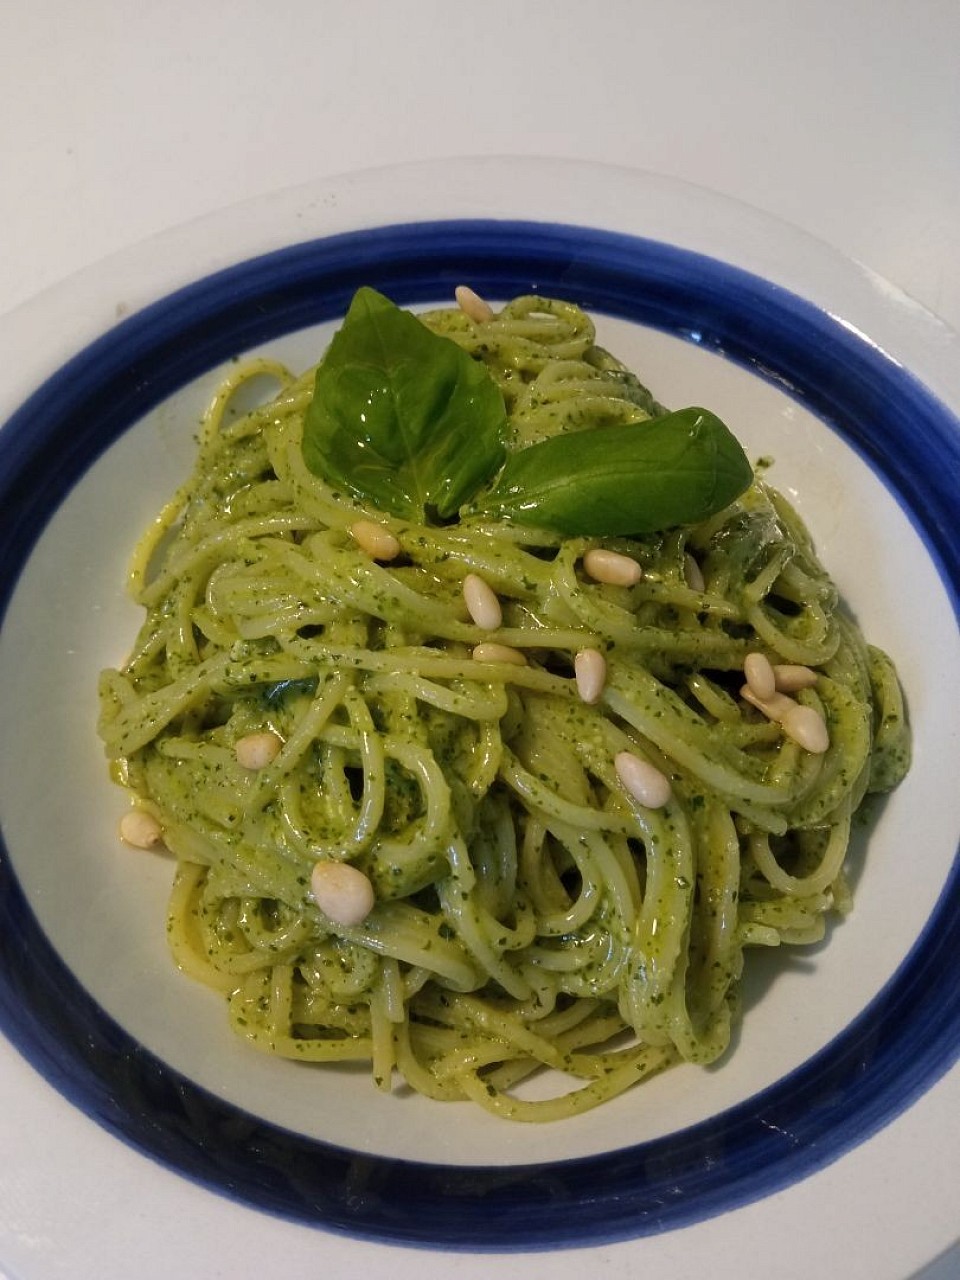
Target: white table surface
{"points": [[118, 120], [121, 119]]}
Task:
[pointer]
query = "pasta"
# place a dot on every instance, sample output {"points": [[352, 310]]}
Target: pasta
{"points": [[530, 906]]}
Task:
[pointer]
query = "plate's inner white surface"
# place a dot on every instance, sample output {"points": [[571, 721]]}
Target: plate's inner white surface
{"points": [[103, 905]]}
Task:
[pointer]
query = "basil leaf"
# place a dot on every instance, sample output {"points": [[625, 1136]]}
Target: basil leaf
{"points": [[677, 469], [401, 416]]}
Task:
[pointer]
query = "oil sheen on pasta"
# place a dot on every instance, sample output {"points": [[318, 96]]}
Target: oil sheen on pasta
{"points": [[529, 914]]}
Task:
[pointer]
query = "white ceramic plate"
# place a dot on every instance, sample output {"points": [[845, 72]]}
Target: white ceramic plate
{"points": [[133, 1115]]}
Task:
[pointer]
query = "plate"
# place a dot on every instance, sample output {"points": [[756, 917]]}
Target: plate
{"points": [[123, 1066]]}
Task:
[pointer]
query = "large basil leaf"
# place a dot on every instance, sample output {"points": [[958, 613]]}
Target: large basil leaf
{"points": [[677, 469], [402, 417]]}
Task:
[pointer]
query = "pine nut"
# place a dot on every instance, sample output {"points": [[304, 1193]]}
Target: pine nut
{"points": [[590, 669], [644, 781], [257, 750], [807, 728], [760, 676], [375, 539], [140, 829], [611, 567], [491, 652], [790, 678], [472, 305], [482, 603], [774, 708], [342, 892], [693, 574]]}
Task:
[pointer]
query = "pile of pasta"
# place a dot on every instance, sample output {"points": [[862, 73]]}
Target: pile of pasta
{"points": [[527, 911]]}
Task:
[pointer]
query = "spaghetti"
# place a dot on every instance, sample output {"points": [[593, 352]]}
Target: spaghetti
{"points": [[528, 909]]}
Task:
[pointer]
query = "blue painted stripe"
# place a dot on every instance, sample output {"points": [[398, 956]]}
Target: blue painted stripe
{"points": [[883, 1061]]}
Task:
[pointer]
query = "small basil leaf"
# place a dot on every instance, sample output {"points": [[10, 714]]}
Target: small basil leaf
{"points": [[400, 416], [677, 469]]}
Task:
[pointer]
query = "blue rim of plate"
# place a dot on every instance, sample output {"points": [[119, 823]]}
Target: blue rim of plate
{"points": [[884, 1060]]}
